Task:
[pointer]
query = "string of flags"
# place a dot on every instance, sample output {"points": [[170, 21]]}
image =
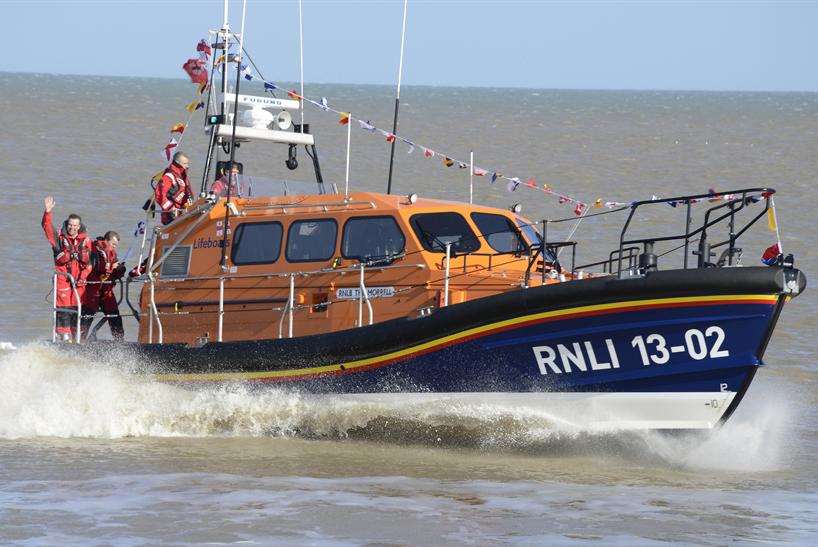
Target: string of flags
{"points": [[197, 71], [512, 183]]}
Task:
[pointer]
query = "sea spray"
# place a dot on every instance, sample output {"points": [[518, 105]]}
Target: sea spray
{"points": [[48, 392]]}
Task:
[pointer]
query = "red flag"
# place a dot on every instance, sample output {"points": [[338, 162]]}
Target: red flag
{"points": [[770, 255], [197, 71], [428, 152], [169, 148], [390, 137], [578, 210], [344, 118], [293, 94], [478, 172], [531, 182], [203, 47], [178, 128]]}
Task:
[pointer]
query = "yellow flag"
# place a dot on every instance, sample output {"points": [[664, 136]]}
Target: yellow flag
{"points": [[771, 223], [158, 176], [192, 105]]}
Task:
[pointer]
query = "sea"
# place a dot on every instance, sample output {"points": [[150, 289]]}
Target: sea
{"points": [[91, 454]]}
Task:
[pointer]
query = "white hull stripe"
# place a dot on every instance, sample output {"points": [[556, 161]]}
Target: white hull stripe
{"points": [[585, 411]]}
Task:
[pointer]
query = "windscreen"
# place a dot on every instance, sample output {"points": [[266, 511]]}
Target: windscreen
{"points": [[499, 232], [435, 230]]}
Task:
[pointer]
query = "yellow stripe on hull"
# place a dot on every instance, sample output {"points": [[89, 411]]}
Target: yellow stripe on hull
{"points": [[345, 367]]}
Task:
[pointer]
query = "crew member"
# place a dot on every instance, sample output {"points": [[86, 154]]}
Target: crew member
{"points": [[220, 186], [173, 193], [99, 293], [72, 255]]}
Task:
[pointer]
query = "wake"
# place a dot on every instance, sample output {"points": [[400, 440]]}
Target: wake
{"points": [[47, 393]]}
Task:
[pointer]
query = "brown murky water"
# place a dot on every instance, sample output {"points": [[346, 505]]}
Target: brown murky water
{"points": [[91, 454]]}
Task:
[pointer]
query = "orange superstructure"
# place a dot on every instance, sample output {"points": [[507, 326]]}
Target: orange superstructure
{"points": [[302, 260]]}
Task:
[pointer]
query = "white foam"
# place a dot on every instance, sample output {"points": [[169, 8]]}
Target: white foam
{"points": [[46, 393], [49, 393]]}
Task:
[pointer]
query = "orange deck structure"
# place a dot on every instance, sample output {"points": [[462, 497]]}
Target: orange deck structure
{"points": [[327, 247]]}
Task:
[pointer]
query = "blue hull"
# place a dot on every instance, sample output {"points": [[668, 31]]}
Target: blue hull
{"points": [[695, 335]]}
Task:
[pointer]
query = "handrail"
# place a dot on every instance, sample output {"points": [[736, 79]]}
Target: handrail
{"points": [[731, 200], [363, 297], [291, 303], [446, 280], [154, 313], [299, 205], [607, 264], [78, 311], [54, 310], [307, 273], [554, 245], [288, 310], [221, 309]]}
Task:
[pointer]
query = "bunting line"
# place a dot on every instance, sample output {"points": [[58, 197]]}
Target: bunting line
{"points": [[512, 183], [196, 69]]}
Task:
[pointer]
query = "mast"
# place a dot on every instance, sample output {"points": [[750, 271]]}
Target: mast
{"points": [[397, 100], [226, 36], [233, 135], [301, 59]]}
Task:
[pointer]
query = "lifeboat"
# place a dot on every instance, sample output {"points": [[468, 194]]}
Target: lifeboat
{"points": [[403, 300], [408, 300]]}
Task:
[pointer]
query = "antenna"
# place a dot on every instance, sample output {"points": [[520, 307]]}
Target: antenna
{"points": [[301, 57], [397, 100], [225, 33]]}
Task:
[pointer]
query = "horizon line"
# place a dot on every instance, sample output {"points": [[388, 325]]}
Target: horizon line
{"points": [[645, 89]]}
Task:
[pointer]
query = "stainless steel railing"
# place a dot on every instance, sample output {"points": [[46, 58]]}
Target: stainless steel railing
{"points": [[78, 311]]}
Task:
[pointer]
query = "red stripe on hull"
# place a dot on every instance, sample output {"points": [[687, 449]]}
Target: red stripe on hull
{"points": [[443, 345]]}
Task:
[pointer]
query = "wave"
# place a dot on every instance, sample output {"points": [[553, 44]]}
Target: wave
{"points": [[49, 393]]}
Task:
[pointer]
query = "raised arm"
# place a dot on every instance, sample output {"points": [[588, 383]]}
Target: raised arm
{"points": [[48, 225]]}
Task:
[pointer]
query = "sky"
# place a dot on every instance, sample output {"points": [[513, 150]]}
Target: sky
{"points": [[564, 45]]}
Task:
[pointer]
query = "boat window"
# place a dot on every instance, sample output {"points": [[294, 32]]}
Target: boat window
{"points": [[311, 240], [529, 230], [533, 236], [435, 230], [372, 239], [257, 243], [500, 233]]}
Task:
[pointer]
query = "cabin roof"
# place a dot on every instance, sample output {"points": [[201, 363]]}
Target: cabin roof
{"points": [[382, 202]]}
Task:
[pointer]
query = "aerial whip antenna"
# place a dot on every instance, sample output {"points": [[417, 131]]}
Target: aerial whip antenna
{"points": [[301, 57], [397, 100]]}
